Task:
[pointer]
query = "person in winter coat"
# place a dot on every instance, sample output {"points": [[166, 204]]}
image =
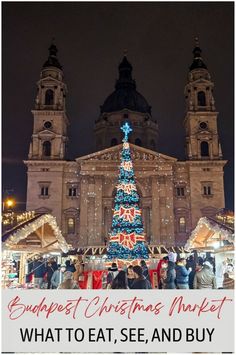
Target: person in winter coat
{"points": [[120, 281], [169, 281], [145, 270], [140, 281], [182, 274], [228, 282], [49, 272], [68, 282], [205, 278], [130, 276], [54, 264], [220, 271], [112, 273], [39, 270], [161, 271], [57, 276], [70, 267]]}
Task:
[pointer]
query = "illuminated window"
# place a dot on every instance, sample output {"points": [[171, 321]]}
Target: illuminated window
{"points": [[71, 226], [182, 225]]}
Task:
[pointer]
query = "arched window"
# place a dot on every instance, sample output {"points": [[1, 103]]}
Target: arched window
{"points": [[204, 149], [114, 142], [201, 98], [46, 149], [153, 144], [182, 225], [49, 97], [138, 142], [71, 225]]}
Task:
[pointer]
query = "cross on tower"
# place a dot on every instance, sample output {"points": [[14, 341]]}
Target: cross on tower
{"points": [[126, 129]]}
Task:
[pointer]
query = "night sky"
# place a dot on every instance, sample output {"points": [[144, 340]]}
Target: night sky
{"points": [[91, 39]]}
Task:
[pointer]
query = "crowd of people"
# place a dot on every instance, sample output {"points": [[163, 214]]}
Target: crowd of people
{"points": [[51, 275], [192, 273], [133, 277], [173, 272]]}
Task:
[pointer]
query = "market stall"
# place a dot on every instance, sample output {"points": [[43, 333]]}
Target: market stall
{"points": [[37, 235], [211, 236], [215, 239]]}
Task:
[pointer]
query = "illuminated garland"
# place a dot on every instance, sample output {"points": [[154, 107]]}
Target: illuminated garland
{"points": [[24, 232], [204, 221]]}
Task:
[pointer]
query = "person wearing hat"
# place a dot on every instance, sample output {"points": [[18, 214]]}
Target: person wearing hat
{"points": [[140, 281], [205, 278], [112, 273], [57, 276], [169, 281], [68, 282]]}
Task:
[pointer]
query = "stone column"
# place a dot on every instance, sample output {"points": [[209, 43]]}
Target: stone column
{"points": [[91, 211], [83, 235], [169, 212], [155, 220], [99, 238], [91, 219]]}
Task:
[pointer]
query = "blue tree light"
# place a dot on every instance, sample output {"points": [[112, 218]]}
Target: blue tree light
{"points": [[127, 239]]}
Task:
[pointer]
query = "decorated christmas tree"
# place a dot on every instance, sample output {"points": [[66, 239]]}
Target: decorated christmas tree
{"points": [[127, 239]]}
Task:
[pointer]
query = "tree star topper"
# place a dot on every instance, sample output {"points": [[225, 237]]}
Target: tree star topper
{"points": [[126, 129]]}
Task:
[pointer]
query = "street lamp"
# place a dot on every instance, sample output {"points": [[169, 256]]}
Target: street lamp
{"points": [[9, 203]]}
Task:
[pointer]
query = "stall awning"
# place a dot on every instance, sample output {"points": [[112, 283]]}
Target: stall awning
{"points": [[38, 234], [210, 235]]}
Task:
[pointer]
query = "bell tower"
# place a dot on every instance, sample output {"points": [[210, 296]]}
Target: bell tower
{"points": [[50, 121], [202, 140]]}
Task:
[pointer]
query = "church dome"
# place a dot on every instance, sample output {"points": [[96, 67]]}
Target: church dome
{"points": [[125, 95]]}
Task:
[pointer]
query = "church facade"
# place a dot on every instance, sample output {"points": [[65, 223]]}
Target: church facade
{"points": [[174, 194]]}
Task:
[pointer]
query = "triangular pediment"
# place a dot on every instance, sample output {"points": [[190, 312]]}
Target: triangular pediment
{"points": [[48, 79], [138, 153], [46, 132], [202, 80]]}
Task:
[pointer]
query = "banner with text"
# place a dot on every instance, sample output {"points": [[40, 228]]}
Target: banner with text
{"points": [[118, 321]]}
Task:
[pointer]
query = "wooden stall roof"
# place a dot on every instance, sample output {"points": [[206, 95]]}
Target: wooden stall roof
{"points": [[38, 234], [209, 233]]}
